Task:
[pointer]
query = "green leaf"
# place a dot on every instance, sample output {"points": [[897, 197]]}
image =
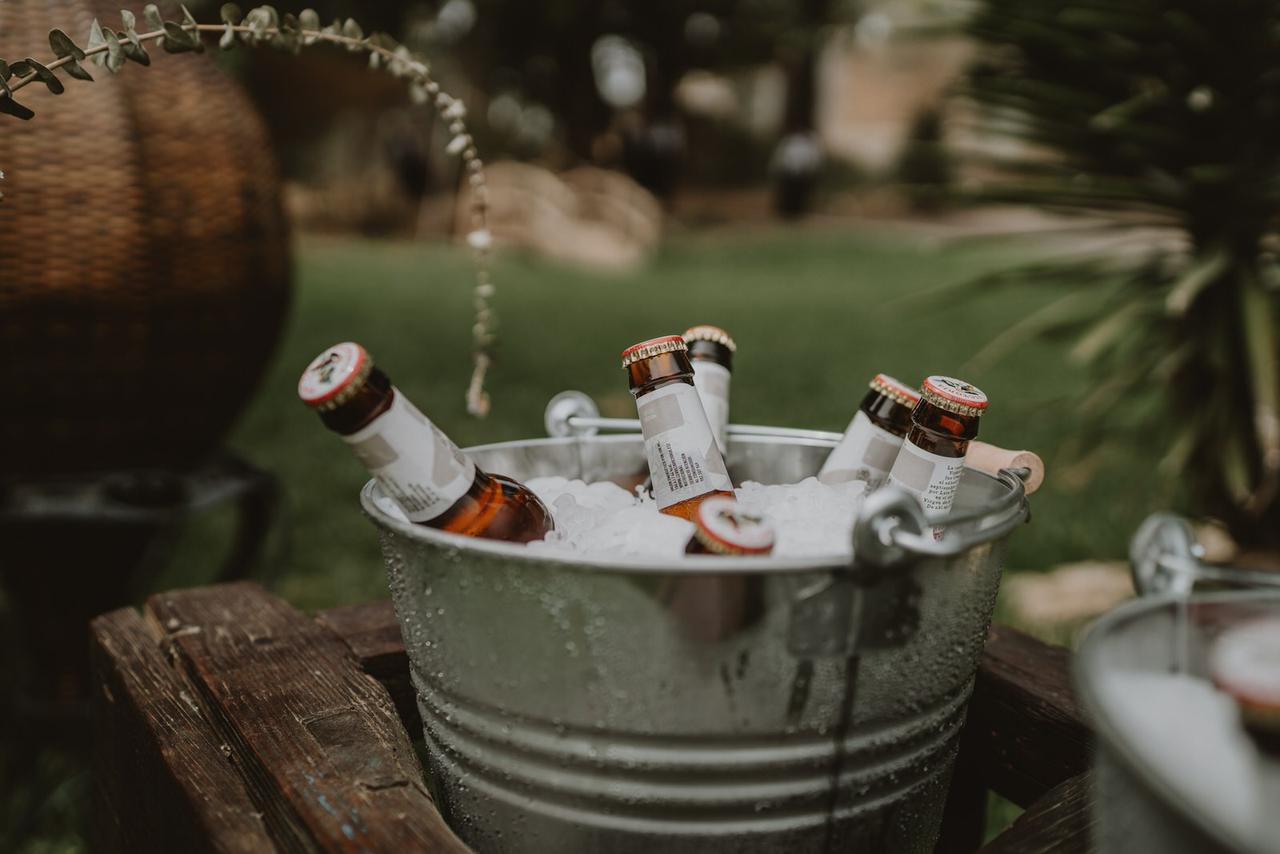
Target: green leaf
{"points": [[178, 40], [129, 20], [62, 45], [64, 48], [115, 52], [1106, 332], [151, 14], [5, 73], [132, 46], [230, 14], [189, 20], [47, 77], [228, 39], [97, 39], [308, 19], [22, 68], [1201, 274], [13, 108], [352, 30], [1258, 324], [1065, 309]]}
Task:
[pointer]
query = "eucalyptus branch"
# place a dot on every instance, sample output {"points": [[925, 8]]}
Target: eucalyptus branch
{"points": [[264, 25]]}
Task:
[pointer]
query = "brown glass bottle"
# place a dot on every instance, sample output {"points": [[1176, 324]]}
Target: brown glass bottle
{"points": [[434, 483], [684, 459], [871, 442], [931, 460], [711, 352]]}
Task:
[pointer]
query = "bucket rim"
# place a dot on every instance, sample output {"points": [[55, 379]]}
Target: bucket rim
{"points": [[699, 564], [1087, 669]]}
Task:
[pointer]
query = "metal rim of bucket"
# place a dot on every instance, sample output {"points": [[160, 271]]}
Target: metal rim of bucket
{"points": [[894, 529], [1087, 668]]}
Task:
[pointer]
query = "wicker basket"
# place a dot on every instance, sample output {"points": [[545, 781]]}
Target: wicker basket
{"points": [[144, 260]]}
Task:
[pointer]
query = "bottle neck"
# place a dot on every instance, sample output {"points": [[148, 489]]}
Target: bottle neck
{"points": [[938, 431], [370, 400], [646, 375], [711, 351], [886, 413]]}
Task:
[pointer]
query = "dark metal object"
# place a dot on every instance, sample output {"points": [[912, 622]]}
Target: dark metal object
{"points": [[74, 547]]}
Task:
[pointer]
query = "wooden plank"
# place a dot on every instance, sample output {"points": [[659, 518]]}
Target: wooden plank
{"points": [[318, 740], [1025, 727], [162, 781], [1059, 823], [372, 634]]}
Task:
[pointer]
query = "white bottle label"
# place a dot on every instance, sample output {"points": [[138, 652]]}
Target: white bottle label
{"points": [[414, 463], [932, 478], [866, 452], [683, 457], [711, 379]]}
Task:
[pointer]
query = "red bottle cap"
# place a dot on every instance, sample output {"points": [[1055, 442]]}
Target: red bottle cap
{"points": [[653, 347], [722, 526], [954, 395], [341, 368]]}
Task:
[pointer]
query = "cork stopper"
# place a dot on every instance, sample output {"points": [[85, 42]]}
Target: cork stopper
{"points": [[653, 347], [954, 395], [714, 334], [335, 376], [723, 528], [895, 390]]}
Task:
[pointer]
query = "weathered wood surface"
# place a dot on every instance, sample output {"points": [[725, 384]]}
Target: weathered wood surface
{"points": [[315, 742], [1059, 823], [373, 636], [1025, 727], [162, 781]]}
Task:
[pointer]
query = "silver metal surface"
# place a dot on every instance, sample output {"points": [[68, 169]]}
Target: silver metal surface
{"points": [[1137, 806], [724, 705]]}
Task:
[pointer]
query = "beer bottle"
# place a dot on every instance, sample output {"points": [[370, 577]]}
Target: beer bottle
{"points": [[931, 460], [684, 460], [721, 527], [416, 465], [711, 352], [710, 608], [873, 438]]}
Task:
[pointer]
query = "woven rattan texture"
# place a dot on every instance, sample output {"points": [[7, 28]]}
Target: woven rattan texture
{"points": [[144, 257]]}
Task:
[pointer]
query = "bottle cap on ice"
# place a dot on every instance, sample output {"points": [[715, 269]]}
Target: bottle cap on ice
{"points": [[653, 347], [1245, 663], [954, 395], [334, 376], [722, 527]]}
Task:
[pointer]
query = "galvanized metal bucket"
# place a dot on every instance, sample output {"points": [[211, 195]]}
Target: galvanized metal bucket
{"points": [[585, 705], [1139, 805]]}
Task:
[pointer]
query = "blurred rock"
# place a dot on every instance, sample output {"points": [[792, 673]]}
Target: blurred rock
{"points": [[587, 216], [1068, 594]]}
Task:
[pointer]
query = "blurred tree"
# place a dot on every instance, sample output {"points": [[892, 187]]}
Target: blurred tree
{"points": [[924, 168], [1158, 113]]}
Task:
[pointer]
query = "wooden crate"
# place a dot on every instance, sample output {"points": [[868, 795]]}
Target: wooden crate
{"points": [[225, 720]]}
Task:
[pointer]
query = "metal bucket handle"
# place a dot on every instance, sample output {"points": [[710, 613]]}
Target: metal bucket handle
{"points": [[891, 528], [1165, 559]]}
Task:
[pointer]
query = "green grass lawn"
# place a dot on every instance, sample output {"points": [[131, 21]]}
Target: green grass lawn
{"points": [[815, 314]]}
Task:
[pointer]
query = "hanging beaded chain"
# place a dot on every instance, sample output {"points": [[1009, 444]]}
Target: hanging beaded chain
{"points": [[264, 25]]}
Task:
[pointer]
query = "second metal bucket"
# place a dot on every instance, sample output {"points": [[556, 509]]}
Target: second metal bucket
{"points": [[755, 705]]}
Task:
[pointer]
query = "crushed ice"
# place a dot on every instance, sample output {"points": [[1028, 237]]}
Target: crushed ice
{"points": [[809, 518]]}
